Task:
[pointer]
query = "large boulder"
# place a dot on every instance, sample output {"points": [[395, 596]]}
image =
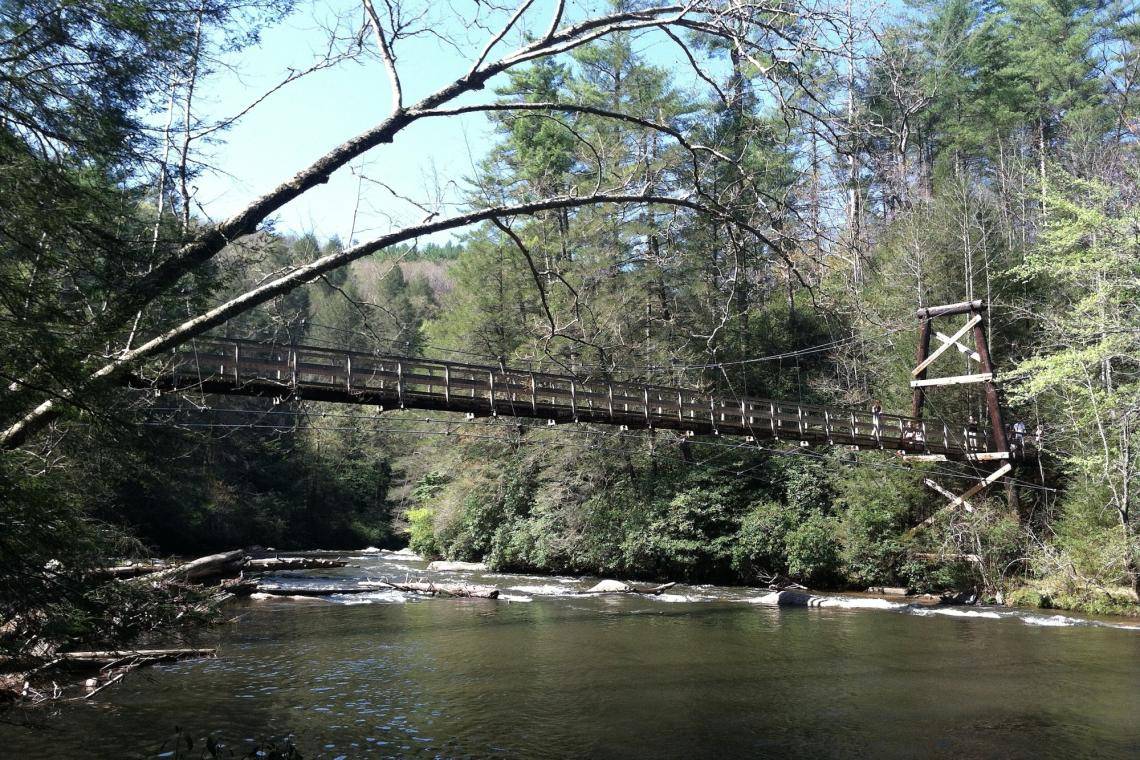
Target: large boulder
{"points": [[610, 587]]}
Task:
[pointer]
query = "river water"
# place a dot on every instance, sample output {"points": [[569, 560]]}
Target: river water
{"points": [[545, 672]]}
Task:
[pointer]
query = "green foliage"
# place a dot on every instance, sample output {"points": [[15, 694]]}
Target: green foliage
{"points": [[1084, 599], [421, 532], [932, 576], [987, 158], [758, 550], [693, 536], [291, 488], [813, 550], [50, 594], [876, 505]]}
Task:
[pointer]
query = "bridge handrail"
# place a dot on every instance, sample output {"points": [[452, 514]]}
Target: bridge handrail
{"points": [[504, 390], [538, 374]]}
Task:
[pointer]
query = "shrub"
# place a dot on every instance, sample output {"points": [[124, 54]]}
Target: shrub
{"points": [[813, 550], [694, 537], [759, 546], [421, 522]]}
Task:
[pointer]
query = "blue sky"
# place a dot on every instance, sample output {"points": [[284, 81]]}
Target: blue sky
{"points": [[306, 119], [312, 115]]}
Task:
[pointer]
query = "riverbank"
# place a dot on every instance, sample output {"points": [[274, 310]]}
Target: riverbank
{"points": [[1093, 601], [365, 567], [547, 671], [76, 648], [193, 594]]}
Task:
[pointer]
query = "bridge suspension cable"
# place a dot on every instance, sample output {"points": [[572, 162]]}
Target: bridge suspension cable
{"points": [[794, 353]]}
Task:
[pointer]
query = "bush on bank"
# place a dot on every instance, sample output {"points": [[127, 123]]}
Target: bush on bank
{"points": [[816, 519]]}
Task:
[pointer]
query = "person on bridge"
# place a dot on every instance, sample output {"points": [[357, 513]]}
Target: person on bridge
{"points": [[1019, 437], [972, 433], [877, 417]]}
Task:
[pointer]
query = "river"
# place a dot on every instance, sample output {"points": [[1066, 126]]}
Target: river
{"points": [[699, 672]]}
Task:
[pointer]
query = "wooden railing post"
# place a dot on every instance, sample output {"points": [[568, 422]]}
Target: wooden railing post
{"points": [[400, 383], [269, 363]]}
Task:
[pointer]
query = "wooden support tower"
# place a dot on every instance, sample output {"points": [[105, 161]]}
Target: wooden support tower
{"points": [[995, 446]]}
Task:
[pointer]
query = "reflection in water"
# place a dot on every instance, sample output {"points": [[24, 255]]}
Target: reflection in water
{"points": [[571, 676]]}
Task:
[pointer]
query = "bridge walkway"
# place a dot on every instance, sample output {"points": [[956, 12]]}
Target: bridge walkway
{"points": [[232, 366]]}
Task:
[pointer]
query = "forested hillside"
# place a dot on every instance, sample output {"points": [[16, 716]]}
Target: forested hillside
{"points": [[759, 211]]}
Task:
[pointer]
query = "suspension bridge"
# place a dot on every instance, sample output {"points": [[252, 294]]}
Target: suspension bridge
{"points": [[233, 366]]}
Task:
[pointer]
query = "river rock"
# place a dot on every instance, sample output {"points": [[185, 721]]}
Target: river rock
{"points": [[610, 587], [791, 599], [457, 567]]}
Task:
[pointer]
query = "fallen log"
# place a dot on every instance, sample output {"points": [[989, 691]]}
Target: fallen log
{"points": [[112, 666], [272, 564], [111, 656], [419, 587], [311, 590], [426, 587], [620, 587], [129, 570], [212, 565]]}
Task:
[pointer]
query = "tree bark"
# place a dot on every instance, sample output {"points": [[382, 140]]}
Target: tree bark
{"points": [[225, 563]]}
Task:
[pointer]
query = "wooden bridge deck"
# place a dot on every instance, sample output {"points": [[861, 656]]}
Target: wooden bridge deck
{"points": [[240, 367]]}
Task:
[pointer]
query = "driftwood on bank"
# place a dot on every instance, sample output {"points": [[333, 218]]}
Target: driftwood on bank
{"points": [[620, 587], [442, 589], [271, 564], [109, 656], [210, 566], [417, 587], [129, 570], [105, 667], [222, 565]]}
